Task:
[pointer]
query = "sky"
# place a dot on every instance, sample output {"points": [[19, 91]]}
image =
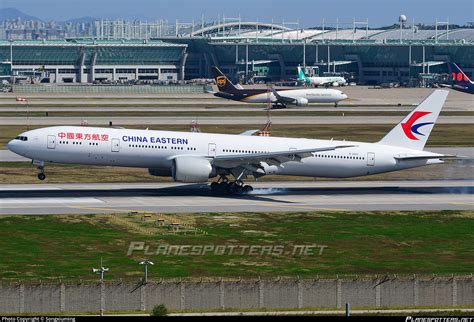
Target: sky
{"points": [[307, 12]]}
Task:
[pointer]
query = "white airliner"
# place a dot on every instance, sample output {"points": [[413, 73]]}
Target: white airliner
{"points": [[196, 157], [280, 98], [321, 80]]}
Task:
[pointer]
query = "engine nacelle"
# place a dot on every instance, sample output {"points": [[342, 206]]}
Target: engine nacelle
{"points": [[335, 84], [160, 172], [191, 169], [301, 101]]}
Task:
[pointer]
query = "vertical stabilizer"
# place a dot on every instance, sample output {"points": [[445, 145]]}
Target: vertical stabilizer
{"points": [[222, 82], [301, 75], [414, 130]]}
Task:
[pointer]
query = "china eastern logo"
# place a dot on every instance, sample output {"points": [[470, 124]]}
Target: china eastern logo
{"points": [[410, 128]]}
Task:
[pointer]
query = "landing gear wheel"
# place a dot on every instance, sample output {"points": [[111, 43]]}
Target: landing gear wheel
{"points": [[223, 187], [247, 189], [220, 187], [233, 188], [215, 186], [238, 188], [278, 106], [41, 174]]}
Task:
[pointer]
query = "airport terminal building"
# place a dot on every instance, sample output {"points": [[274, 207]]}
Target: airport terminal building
{"points": [[246, 51], [83, 61]]}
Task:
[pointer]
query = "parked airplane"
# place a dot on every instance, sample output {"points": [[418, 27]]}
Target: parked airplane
{"points": [[280, 98], [321, 81], [460, 80], [196, 157]]}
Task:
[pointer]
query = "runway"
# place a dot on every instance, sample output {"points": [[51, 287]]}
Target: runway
{"points": [[185, 120], [267, 197]]}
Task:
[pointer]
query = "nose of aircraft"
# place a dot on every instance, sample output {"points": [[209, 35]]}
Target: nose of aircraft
{"points": [[16, 147], [344, 96], [11, 145]]}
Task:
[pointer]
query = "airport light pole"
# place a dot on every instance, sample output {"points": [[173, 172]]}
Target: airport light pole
{"points": [[100, 271], [11, 62], [146, 263]]}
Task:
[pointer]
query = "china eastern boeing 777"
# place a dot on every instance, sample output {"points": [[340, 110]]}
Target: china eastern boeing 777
{"points": [[196, 157]]}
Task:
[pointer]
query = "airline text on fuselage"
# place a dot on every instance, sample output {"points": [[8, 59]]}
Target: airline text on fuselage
{"points": [[152, 139]]}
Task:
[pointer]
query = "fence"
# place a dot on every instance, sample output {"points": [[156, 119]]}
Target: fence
{"points": [[236, 294], [112, 89]]}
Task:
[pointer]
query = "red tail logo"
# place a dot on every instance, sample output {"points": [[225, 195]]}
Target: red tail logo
{"points": [[410, 128], [460, 77]]}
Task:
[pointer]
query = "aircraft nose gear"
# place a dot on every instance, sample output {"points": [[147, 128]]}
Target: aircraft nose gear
{"points": [[231, 188], [41, 174]]}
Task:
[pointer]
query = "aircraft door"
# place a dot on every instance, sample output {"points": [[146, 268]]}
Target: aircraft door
{"points": [[370, 158], [115, 145], [212, 149], [51, 141]]}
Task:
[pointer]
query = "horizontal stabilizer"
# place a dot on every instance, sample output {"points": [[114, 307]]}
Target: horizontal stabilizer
{"points": [[425, 157]]}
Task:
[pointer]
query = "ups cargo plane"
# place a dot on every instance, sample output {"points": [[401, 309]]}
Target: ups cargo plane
{"points": [[196, 157], [279, 98]]}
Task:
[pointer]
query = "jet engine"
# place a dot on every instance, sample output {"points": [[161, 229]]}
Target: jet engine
{"points": [[192, 169], [335, 84], [301, 101], [160, 172]]}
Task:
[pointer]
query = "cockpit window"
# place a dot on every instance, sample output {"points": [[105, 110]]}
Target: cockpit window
{"points": [[22, 138]]}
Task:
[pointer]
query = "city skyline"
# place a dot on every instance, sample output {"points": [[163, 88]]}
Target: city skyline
{"points": [[308, 13]]}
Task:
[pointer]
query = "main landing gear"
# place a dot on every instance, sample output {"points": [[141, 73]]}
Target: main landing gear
{"points": [[278, 106], [223, 186], [41, 174]]}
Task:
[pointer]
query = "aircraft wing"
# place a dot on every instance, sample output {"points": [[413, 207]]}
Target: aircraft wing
{"points": [[271, 158], [327, 84], [460, 87], [446, 85], [282, 99]]}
